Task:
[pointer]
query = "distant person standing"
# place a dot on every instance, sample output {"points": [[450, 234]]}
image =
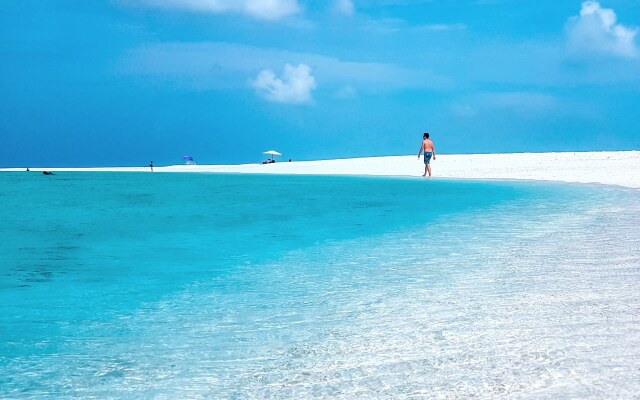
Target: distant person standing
{"points": [[429, 151], [151, 166]]}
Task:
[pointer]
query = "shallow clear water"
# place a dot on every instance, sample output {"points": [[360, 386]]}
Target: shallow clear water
{"points": [[239, 286]]}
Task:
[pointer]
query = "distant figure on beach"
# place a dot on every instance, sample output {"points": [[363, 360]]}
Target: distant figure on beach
{"points": [[151, 166], [289, 160], [28, 169], [429, 151]]}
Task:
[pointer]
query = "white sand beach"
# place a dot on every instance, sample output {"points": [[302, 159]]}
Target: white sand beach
{"points": [[620, 168]]}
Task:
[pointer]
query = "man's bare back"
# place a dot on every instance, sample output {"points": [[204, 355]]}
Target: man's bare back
{"points": [[427, 146]]}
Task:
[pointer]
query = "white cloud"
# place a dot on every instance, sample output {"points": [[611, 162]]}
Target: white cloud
{"points": [[260, 9], [596, 30], [345, 7], [294, 88]]}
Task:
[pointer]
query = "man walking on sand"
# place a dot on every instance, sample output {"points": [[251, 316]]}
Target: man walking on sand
{"points": [[429, 151]]}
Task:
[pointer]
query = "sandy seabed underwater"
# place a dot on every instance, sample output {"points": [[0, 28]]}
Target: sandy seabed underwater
{"points": [[137, 285]]}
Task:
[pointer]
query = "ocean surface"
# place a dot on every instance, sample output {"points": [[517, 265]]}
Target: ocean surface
{"points": [[167, 286]]}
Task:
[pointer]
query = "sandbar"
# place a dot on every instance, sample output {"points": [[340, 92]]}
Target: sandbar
{"points": [[620, 168]]}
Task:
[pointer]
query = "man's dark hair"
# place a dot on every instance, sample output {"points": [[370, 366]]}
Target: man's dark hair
{"points": [[426, 135]]}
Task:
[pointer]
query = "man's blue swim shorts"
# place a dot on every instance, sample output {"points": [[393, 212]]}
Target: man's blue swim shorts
{"points": [[427, 157]]}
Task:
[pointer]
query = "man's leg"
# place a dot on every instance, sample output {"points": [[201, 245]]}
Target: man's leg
{"points": [[426, 169], [429, 169]]}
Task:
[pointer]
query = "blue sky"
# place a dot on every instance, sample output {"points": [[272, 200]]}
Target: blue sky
{"points": [[123, 82]]}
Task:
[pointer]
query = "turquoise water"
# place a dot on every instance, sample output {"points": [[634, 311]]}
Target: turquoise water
{"points": [[238, 286]]}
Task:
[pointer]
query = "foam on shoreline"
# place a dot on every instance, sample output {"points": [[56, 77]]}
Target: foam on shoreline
{"points": [[610, 167]]}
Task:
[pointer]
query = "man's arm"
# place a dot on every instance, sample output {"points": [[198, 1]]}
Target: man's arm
{"points": [[420, 152]]}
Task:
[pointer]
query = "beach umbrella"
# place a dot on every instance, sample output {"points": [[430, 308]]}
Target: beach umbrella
{"points": [[272, 153]]}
